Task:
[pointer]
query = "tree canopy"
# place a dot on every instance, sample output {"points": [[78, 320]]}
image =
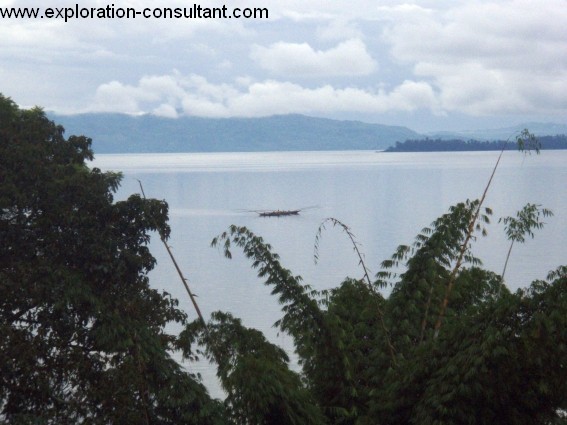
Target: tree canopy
{"points": [[499, 358], [558, 141], [84, 340], [83, 335]]}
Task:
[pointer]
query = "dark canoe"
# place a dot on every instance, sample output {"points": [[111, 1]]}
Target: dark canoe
{"points": [[278, 213]]}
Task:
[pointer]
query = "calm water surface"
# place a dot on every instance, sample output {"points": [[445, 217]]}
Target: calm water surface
{"points": [[385, 198]]}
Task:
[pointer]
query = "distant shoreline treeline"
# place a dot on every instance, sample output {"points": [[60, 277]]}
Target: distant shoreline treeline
{"points": [[455, 145]]}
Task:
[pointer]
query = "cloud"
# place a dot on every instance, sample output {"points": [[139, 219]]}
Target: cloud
{"points": [[195, 95], [117, 97], [272, 97], [21, 40], [165, 110], [301, 10], [403, 12], [349, 58], [481, 58], [489, 57], [338, 29]]}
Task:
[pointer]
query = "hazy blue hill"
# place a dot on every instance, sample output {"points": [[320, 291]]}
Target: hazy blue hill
{"points": [[539, 129], [119, 133]]}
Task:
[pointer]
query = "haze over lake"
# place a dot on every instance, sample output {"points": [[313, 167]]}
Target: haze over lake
{"points": [[385, 198]]}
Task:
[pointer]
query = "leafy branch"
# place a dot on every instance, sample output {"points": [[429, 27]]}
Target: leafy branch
{"points": [[517, 228], [526, 142], [351, 236], [317, 337], [361, 262], [301, 311], [254, 373]]}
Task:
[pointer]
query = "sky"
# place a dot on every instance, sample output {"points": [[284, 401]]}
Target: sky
{"points": [[428, 65]]}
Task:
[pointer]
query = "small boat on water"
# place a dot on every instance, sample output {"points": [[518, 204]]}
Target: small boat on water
{"points": [[278, 213]]}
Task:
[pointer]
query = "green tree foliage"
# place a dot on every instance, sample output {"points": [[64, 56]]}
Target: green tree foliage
{"points": [[517, 228], [499, 359], [459, 145], [412, 306], [324, 363], [82, 334], [260, 388]]}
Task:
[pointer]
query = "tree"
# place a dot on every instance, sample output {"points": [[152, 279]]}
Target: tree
{"points": [[260, 388], [84, 340], [83, 334], [500, 358]]}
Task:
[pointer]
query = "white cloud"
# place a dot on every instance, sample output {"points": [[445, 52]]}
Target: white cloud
{"points": [[349, 58], [165, 110], [489, 57], [273, 97], [301, 10], [338, 30], [195, 95], [117, 97], [403, 12], [481, 57], [41, 39]]}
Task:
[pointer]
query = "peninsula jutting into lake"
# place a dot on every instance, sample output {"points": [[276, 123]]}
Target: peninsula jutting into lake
{"points": [[459, 145]]}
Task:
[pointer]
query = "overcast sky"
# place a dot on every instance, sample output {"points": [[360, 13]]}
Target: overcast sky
{"points": [[424, 64]]}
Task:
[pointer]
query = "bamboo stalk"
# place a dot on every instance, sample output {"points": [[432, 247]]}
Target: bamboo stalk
{"points": [[178, 269], [524, 137], [468, 237], [505, 266], [185, 282]]}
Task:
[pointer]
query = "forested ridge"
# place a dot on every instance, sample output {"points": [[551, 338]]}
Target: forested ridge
{"points": [[84, 337], [122, 133], [460, 145]]}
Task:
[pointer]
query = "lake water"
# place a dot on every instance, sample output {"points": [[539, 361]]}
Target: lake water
{"points": [[385, 198]]}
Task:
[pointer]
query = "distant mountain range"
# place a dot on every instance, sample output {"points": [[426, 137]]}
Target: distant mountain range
{"points": [[539, 129], [120, 133]]}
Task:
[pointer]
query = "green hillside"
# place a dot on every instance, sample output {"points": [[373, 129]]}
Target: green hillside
{"points": [[119, 133]]}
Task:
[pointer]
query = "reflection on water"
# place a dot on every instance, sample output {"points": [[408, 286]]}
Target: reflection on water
{"points": [[386, 198]]}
